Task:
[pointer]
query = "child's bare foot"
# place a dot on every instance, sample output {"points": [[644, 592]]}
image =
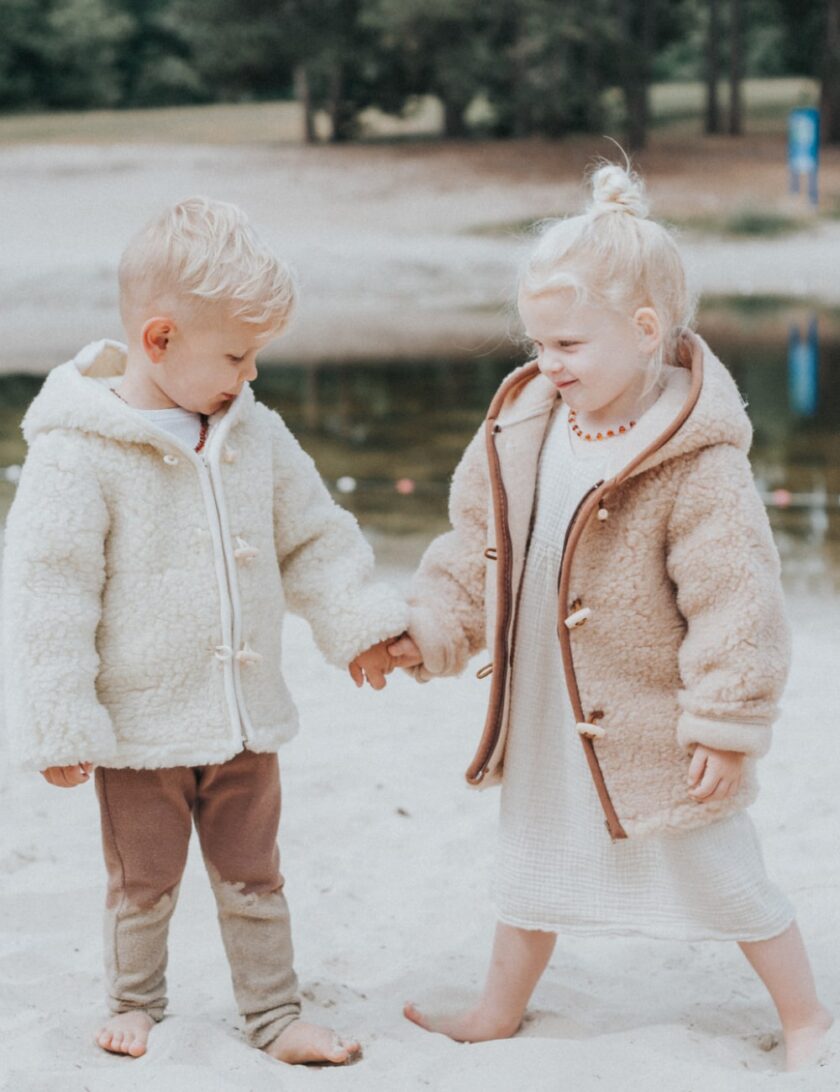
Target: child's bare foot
{"points": [[476, 1025], [804, 1046], [126, 1033], [300, 1043]]}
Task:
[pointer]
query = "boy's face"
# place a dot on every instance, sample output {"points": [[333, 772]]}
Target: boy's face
{"points": [[200, 362]]}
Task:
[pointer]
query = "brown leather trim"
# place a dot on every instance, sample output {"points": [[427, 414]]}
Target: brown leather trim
{"points": [[576, 528], [690, 350], [504, 593], [589, 506]]}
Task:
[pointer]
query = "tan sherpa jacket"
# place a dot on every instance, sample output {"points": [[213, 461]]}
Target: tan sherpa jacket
{"points": [[145, 585], [670, 611]]}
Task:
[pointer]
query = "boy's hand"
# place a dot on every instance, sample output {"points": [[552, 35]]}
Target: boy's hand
{"points": [[374, 664], [714, 775], [67, 777], [404, 652]]}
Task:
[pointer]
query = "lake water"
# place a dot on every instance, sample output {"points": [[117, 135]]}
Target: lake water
{"points": [[389, 436]]}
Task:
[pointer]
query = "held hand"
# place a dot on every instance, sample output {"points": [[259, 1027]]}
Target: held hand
{"points": [[373, 665], [714, 775], [404, 652], [67, 777]]}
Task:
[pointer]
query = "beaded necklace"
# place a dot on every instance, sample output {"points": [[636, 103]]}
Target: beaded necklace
{"points": [[605, 435], [205, 423]]}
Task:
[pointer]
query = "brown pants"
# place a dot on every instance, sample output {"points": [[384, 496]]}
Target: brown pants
{"points": [[147, 819]]}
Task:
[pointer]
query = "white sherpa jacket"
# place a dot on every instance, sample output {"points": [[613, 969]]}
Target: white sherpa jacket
{"points": [[145, 585], [670, 611]]}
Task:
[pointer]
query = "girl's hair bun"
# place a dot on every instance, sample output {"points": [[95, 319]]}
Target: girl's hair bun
{"points": [[615, 189]]}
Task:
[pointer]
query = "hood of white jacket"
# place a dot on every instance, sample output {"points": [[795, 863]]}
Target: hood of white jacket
{"points": [[79, 395], [717, 417]]}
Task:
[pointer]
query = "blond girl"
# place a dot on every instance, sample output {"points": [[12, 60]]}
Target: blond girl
{"points": [[610, 550]]}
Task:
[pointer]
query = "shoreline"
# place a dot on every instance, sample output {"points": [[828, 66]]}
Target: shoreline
{"points": [[402, 251]]}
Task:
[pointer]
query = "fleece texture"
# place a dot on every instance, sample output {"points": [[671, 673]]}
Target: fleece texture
{"points": [[145, 585], [685, 641]]}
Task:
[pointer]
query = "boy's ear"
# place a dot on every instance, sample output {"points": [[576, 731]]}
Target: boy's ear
{"points": [[156, 336], [649, 329]]}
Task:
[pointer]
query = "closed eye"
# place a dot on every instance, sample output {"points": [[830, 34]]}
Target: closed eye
{"points": [[235, 359]]}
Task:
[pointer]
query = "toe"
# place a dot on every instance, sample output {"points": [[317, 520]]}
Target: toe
{"points": [[342, 1051], [412, 1013]]}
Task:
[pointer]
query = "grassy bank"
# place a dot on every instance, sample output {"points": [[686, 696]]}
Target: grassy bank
{"points": [[673, 106]]}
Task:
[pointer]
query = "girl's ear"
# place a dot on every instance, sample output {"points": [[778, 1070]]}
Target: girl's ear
{"points": [[649, 330], [155, 336]]}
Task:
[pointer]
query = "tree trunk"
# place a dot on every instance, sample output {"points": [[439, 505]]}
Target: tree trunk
{"points": [[303, 94], [637, 19], [736, 107], [342, 116], [454, 125], [713, 68], [589, 68], [830, 85]]}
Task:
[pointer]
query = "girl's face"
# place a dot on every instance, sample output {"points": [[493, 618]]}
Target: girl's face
{"points": [[594, 356]]}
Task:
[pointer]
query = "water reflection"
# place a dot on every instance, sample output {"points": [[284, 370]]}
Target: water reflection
{"points": [[392, 434], [804, 367]]}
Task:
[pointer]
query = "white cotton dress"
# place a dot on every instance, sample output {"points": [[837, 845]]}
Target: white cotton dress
{"points": [[557, 868]]}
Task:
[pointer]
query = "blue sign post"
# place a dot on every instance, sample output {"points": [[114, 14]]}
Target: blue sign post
{"points": [[804, 149]]}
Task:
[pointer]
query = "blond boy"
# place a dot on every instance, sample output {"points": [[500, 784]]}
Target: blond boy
{"points": [[163, 523]]}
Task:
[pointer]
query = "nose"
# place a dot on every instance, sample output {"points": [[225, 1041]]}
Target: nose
{"points": [[552, 367], [250, 372]]}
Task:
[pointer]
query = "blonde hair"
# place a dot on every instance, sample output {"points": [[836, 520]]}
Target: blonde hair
{"points": [[612, 255], [202, 252]]}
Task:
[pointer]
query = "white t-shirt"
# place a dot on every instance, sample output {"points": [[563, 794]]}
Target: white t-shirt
{"points": [[183, 424]]}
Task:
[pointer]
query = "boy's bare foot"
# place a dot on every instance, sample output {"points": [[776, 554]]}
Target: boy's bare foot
{"points": [[126, 1033], [805, 1046], [473, 1026], [302, 1043]]}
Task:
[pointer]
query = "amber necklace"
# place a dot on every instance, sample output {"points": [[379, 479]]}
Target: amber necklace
{"points": [[205, 423], [605, 435]]}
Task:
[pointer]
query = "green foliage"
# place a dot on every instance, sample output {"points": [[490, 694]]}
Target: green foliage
{"points": [[536, 66], [86, 38], [23, 53]]}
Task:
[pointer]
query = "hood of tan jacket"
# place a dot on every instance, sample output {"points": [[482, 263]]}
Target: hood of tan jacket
{"points": [[79, 395]]}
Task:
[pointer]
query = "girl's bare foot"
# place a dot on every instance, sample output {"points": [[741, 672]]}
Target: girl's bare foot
{"points": [[476, 1025], [300, 1043], [126, 1033], [804, 1046], [519, 958]]}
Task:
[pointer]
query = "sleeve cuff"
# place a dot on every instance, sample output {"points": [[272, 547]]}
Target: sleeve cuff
{"points": [[379, 614], [748, 737], [439, 655]]}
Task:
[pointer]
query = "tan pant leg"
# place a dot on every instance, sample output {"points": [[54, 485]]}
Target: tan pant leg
{"points": [[146, 822], [237, 814]]}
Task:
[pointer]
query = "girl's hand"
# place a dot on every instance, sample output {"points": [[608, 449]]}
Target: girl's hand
{"points": [[714, 775], [67, 777], [404, 652]]}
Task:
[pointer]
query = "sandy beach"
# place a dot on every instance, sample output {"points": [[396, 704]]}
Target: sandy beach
{"points": [[388, 859], [401, 252]]}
